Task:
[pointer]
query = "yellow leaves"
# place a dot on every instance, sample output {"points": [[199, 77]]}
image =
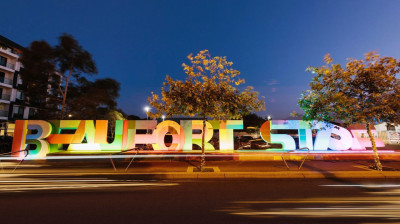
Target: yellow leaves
{"points": [[200, 68], [328, 59], [370, 56], [362, 91], [209, 90]]}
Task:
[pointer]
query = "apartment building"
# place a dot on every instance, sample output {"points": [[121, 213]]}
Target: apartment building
{"points": [[11, 95]]}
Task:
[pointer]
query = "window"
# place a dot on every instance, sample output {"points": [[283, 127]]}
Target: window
{"points": [[3, 61], [390, 127], [31, 112], [20, 95], [19, 80], [18, 110], [2, 76]]}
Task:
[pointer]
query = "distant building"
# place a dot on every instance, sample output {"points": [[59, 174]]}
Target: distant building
{"points": [[390, 134], [11, 95]]}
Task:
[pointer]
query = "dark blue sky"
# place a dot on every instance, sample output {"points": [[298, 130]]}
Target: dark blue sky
{"points": [[270, 42]]}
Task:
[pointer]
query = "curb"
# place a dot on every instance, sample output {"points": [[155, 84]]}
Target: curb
{"points": [[225, 175]]}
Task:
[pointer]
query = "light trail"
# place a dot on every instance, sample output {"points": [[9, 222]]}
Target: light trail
{"points": [[363, 185], [12, 186], [382, 205]]}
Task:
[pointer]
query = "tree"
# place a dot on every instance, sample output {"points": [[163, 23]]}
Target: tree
{"points": [[364, 91], [39, 80], [63, 63], [132, 117], [93, 99], [252, 120], [210, 90]]}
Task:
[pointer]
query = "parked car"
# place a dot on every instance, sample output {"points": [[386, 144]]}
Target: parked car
{"points": [[245, 138], [256, 144]]}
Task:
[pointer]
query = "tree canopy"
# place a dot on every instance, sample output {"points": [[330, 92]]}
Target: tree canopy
{"points": [[253, 120], [93, 99], [365, 91], [55, 68], [210, 90]]}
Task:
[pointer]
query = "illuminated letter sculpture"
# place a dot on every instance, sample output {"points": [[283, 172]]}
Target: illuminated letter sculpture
{"points": [[21, 138], [178, 136]]}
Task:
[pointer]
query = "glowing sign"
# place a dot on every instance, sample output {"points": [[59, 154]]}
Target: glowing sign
{"points": [[91, 136], [328, 136]]}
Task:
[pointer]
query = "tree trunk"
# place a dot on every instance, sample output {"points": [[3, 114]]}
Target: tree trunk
{"points": [[203, 159], [378, 164], [63, 107], [64, 102]]}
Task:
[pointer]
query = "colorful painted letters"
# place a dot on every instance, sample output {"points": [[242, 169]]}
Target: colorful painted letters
{"points": [[88, 136]]}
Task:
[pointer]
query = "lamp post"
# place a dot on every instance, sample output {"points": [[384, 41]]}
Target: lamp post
{"points": [[269, 117], [147, 109], [163, 117]]}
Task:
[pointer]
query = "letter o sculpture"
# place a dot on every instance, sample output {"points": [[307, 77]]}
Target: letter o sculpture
{"points": [[178, 136]]}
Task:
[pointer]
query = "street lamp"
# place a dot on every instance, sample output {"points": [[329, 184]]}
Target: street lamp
{"points": [[147, 109], [269, 117], [163, 117]]}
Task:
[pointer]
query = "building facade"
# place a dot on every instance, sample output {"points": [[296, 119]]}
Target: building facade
{"points": [[11, 95]]}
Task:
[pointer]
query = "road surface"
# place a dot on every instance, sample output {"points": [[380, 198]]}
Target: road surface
{"points": [[58, 200]]}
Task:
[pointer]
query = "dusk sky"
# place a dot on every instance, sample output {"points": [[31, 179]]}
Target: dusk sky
{"points": [[270, 42]]}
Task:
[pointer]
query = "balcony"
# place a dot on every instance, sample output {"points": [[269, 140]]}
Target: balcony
{"points": [[8, 65], [5, 97], [6, 81], [9, 52], [3, 113]]}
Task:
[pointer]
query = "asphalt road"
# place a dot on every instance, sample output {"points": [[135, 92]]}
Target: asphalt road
{"points": [[56, 200]]}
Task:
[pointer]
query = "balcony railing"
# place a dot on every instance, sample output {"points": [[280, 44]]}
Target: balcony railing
{"points": [[5, 97], [8, 49], [8, 65], [3, 113], [6, 81]]}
